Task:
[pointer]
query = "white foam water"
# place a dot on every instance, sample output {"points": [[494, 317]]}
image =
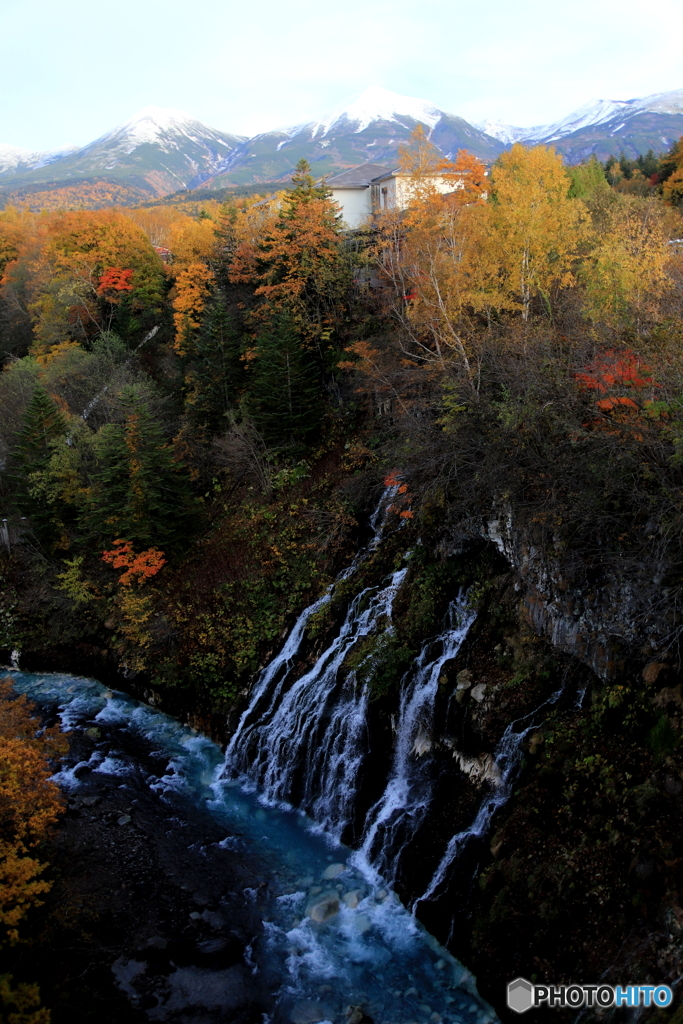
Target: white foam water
{"points": [[402, 808], [370, 952]]}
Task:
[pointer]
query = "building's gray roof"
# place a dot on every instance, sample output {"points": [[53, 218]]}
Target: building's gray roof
{"points": [[386, 172], [358, 177]]}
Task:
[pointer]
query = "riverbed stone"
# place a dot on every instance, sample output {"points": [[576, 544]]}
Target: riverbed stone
{"points": [[324, 907], [477, 692], [124, 819], [353, 898], [333, 870], [307, 1013]]}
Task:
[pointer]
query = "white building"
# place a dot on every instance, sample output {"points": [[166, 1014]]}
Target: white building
{"points": [[363, 191], [352, 192]]}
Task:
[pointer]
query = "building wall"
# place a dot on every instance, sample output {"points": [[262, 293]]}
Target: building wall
{"points": [[396, 192], [354, 204]]}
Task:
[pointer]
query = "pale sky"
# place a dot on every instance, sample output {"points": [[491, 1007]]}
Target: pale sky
{"points": [[73, 69]]}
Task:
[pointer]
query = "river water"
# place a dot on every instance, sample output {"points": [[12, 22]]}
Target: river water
{"points": [[336, 940]]}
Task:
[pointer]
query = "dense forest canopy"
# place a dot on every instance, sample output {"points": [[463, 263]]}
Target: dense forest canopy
{"points": [[489, 341]]}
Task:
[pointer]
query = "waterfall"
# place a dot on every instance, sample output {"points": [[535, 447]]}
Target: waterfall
{"points": [[507, 758], [400, 811], [278, 670], [306, 745], [303, 741]]}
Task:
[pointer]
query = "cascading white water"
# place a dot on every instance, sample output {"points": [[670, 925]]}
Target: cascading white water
{"points": [[279, 668], [400, 811], [507, 758], [306, 743]]}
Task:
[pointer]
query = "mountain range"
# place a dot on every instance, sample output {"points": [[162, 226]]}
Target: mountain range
{"points": [[158, 151]]}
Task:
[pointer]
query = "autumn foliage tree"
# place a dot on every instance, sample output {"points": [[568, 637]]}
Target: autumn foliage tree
{"points": [[438, 254], [29, 806], [539, 229], [297, 260]]}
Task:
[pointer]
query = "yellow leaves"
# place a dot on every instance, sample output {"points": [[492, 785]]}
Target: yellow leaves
{"points": [[191, 240], [21, 1004], [628, 272], [539, 229], [29, 805], [192, 289]]}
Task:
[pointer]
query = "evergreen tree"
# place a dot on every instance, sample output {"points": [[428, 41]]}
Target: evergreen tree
{"points": [[284, 394], [138, 491], [304, 188], [215, 376], [43, 423]]}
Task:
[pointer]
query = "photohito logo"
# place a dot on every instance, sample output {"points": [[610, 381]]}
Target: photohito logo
{"points": [[523, 995]]}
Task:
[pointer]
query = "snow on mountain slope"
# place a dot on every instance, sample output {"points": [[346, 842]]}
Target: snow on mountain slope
{"points": [[157, 126], [505, 133], [375, 104], [593, 113], [14, 158]]}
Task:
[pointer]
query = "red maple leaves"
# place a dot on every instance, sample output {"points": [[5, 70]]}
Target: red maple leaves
{"points": [[138, 567], [113, 282]]}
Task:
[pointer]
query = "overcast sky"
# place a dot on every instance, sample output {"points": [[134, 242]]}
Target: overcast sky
{"points": [[73, 69]]}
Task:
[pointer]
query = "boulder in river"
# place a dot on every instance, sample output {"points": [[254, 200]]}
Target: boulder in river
{"points": [[324, 907], [333, 870]]}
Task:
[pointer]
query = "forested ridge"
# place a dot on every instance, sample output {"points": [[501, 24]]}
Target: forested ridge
{"points": [[190, 449]]}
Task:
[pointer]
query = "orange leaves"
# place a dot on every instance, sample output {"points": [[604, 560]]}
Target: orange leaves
{"points": [[403, 496], [615, 368], [294, 252], [139, 568], [611, 404], [114, 281], [467, 175], [192, 289], [29, 805]]}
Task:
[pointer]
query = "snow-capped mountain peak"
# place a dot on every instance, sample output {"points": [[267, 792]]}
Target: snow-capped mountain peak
{"points": [[14, 158], [159, 126], [505, 133], [376, 104]]}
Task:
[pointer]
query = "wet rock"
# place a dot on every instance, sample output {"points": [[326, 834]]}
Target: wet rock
{"points": [[672, 785], [354, 1015], [157, 942], [124, 819], [477, 692], [307, 1013], [315, 889], [91, 801], [213, 919], [353, 898], [333, 870], [536, 741], [93, 733], [323, 908], [464, 679], [652, 671]]}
